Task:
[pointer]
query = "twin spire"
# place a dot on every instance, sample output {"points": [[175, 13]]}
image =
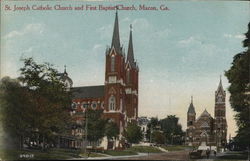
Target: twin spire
{"points": [[116, 38], [116, 42]]}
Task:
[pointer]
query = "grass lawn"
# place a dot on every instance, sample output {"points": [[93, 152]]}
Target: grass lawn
{"points": [[92, 154], [38, 155], [177, 147], [145, 149], [120, 152]]}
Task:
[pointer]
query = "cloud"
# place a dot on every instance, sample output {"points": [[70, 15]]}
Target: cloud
{"points": [[141, 24], [238, 36], [190, 40], [30, 28]]}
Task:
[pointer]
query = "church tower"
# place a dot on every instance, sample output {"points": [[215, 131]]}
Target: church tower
{"points": [[220, 127], [131, 80], [114, 92], [191, 116]]}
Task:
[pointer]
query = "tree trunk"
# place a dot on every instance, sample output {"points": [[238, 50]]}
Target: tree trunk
{"points": [[21, 141], [43, 143]]}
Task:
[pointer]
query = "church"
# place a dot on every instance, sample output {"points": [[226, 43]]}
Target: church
{"points": [[208, 130], [118, 97]]}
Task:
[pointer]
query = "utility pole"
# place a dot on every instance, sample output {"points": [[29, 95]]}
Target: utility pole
{"points": [[86, 131]]}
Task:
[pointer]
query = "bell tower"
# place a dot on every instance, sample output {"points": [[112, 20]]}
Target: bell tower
{"points": [[191, 117], [131, 80], [114, 93], [220, 127]]}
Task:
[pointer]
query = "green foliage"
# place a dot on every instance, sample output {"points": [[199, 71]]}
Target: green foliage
{"points": [[133, 133], [96, 124], [152, 125], [238, 76], [145, 149], [37, 101], [172, 130], [120, 152], [15, 110], [111, 130], [158, 137]]}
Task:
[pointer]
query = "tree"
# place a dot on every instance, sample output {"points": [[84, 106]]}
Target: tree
{"points": [[111, 130], [133, 133], [36, 102], [238, 76], [16, 111], [95, 125], [158, 137], [172, 130], [152, 125]]}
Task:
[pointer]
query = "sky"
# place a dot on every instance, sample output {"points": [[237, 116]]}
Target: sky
{"points": [[181, 52]]}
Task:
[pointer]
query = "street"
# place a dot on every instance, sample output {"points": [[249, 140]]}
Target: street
{"points": [[175, 155]]}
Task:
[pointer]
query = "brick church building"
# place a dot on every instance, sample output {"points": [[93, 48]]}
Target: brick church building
{"points": [[118, 97], [205, 129]]}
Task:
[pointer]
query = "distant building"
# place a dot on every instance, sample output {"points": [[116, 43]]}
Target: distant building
{"points": [[206, 129], [143, 123]]}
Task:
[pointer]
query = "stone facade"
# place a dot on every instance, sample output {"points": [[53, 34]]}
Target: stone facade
{"points": [[206, 129]]}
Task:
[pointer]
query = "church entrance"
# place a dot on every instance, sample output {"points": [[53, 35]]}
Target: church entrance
{"points": [[204, 138]]}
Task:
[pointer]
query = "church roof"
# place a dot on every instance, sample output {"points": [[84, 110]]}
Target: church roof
{"points": [[220, 87], [130, 56], [88, 92], [116, 38], [204, 114], [191, 107]]}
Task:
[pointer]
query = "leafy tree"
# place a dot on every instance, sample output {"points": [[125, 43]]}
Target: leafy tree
{"points": [[171, 129], [152, 126], [111, 130], [238, 76], [95, 125], [158, 137], [35, 103], [50, 100], [133, 133], [15, 111]]}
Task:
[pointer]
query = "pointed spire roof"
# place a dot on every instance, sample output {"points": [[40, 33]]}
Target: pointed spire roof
{"points": [[220, 87], [130, 55], [116, 38], [191, 109]]}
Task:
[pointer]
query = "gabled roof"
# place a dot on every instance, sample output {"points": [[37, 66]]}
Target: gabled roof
{"points": [[116, 38], [204, 114], [88, 92]]}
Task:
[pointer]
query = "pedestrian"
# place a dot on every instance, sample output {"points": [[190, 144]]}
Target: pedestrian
{"points": [[207, 153], [215, 153]]}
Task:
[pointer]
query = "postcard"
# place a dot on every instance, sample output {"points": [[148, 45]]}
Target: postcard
{"points": [[141, 79]]}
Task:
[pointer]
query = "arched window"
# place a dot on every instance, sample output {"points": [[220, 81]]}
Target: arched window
{"points": [[112, 63], [112, 103]]}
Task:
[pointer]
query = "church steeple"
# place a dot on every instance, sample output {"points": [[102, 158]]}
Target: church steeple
{"points": [[116, 38], [191, 109], [130, 56], [220, 88]]}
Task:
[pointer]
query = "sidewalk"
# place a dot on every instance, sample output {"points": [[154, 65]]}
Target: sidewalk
{"points": [[111, 157]]}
